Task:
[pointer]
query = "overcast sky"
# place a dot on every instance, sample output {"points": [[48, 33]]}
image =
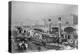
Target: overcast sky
{"points": [[27, 13]]}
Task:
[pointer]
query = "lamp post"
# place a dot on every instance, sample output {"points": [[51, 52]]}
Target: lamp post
{"points": [[49, 25], [59, 24]]}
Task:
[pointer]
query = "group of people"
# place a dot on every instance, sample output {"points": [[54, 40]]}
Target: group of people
{"points": [[39, 38]]}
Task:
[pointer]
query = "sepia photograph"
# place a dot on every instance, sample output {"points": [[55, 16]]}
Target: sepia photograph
{"points": [[36, 26]]}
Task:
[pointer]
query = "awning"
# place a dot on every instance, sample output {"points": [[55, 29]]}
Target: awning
{"points": [[69, 29]]}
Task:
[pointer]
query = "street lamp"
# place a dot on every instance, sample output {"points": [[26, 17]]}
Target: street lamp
{"points": [[49, 25], [59, 24]]}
